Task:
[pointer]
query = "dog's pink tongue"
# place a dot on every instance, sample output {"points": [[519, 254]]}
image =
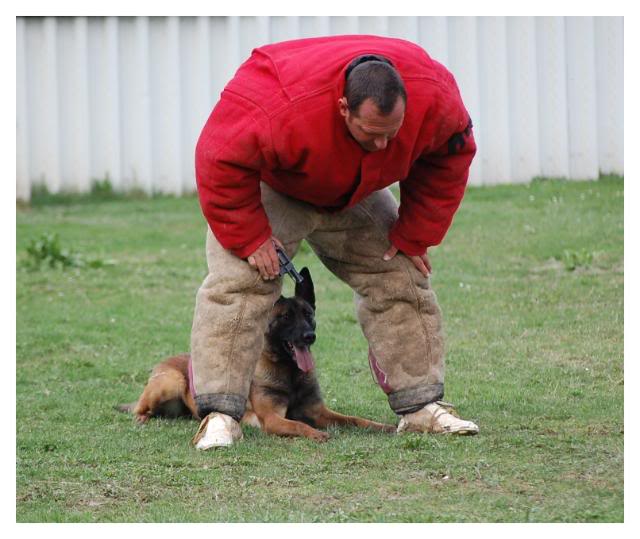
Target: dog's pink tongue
{"points": [[304, 359]]}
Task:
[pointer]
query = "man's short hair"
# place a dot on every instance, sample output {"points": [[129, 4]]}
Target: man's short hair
{"points": [[373, 77]]}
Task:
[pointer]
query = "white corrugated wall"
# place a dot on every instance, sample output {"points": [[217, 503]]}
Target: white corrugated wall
{"points": [[124, 98]]}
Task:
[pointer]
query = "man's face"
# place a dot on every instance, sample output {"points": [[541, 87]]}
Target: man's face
{"points": [[368, 127]]}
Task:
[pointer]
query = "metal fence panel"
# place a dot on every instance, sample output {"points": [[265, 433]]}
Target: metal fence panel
{"points": [[124, 98]]}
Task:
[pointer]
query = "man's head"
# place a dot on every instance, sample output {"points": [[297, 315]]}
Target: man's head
{"points": [[374, 102]]}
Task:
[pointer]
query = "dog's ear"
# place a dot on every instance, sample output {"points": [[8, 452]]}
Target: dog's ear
{"points": [[305, 290]]}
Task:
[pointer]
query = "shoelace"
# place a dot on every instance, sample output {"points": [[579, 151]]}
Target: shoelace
{"points": [[448, 408]]}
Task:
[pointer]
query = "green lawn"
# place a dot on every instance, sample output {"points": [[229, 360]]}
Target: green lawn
{"points": [[530, 279]]}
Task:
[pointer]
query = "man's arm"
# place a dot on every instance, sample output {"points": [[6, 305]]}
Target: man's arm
{"points": [[229, 157], [431, 194]]}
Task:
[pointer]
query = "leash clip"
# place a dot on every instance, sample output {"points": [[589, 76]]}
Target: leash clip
{"points": [[286, 266]]}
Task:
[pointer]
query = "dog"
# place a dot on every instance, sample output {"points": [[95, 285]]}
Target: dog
{"points": [[284, 397]]}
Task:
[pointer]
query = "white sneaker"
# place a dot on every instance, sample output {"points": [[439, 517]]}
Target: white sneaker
{"points": [[437, 418], [217, 430]]}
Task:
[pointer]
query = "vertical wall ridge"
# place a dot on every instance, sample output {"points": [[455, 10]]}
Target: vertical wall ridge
{"points": [[50, 107], [112, 102], [581, 97], [81, 131], [23, 171]]}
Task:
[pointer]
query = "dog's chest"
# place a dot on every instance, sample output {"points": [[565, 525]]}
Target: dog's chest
{"points": [[303, 392], [289, 387]]}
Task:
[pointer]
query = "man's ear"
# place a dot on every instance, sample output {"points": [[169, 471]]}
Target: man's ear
{"points": [[343, 106], [304, 290]]}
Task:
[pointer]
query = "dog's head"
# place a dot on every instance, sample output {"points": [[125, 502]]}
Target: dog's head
{"points": [[292, 328]]}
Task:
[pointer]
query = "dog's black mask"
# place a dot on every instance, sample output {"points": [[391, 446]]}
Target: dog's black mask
{"points": [[292, 329]]}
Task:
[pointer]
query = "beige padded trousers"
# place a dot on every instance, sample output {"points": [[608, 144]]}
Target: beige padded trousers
{"points": [[396, 307]]}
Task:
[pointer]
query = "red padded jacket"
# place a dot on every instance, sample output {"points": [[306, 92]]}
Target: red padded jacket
{"points": [[278, 121]]}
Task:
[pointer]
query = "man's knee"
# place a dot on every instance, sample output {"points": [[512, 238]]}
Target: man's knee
{"points": [[224, 288], [400, 283]]}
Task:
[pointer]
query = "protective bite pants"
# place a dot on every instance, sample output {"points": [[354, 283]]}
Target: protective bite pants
{"points": [[396, 307]]}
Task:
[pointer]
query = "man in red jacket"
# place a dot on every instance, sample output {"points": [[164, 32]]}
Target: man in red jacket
{"points": [[303, 143]]}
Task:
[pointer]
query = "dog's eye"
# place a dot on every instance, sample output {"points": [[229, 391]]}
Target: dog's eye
{"points": [[284, 316]]}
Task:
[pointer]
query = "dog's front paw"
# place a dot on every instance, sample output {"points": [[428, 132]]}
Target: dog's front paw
{"points": [[319, 436]]}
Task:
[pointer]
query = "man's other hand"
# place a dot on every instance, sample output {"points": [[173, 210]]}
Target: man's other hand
{"points": [[265, 259], [421, 261]]}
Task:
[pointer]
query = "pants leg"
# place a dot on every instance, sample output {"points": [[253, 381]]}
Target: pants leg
{"points": [[396, 307], [232, 311]]}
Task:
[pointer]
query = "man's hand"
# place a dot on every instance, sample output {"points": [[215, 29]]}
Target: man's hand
{"points": [[421, 262], [265, 259]]}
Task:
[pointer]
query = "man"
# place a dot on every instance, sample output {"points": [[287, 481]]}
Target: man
{"points": [[302, 144]]}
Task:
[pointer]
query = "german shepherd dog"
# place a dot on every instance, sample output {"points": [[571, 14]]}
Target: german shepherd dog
{"points": [[284, 397]]}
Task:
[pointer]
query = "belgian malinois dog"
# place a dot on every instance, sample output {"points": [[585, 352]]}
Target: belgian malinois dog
{"points": [[284, 398]]}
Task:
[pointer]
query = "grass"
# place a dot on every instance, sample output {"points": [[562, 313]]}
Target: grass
{"points": [[530, 279]]}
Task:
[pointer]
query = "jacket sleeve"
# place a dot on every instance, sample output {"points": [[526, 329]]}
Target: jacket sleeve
{"points": [[431, 194], [229, 157]]}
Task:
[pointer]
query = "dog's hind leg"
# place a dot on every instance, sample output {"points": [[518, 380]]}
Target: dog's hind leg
{"points": [[143, 409], [190, 403], [164, 385]]}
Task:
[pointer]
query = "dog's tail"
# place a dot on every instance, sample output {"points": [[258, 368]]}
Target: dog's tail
{"points": [[125, 408]]}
